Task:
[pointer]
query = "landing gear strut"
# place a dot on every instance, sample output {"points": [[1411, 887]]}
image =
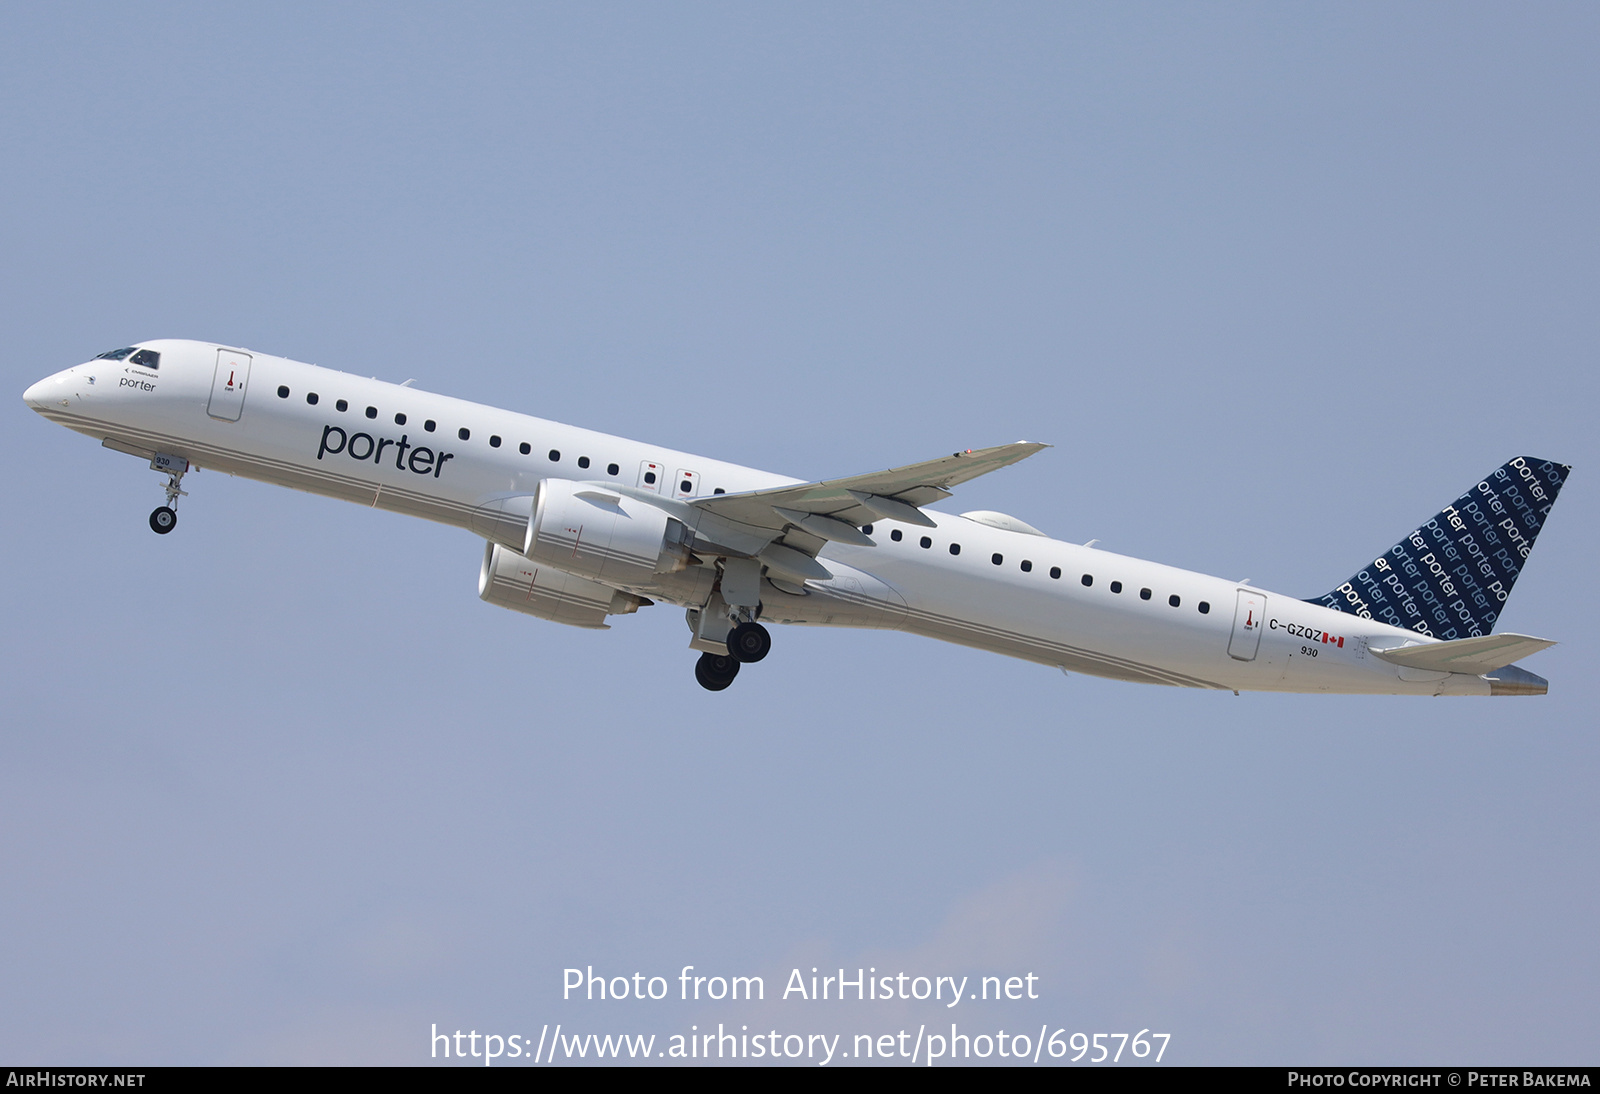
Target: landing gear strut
{"points": [[714, 671], [727, 636], [749, 642], [165, 518]]}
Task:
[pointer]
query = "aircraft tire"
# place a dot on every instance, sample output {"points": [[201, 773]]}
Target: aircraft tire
{"points": [[749, 643], [715, 672], [163, 520]]}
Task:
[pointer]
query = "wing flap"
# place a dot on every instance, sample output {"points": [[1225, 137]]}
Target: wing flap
{"points": [[1477, 656]]}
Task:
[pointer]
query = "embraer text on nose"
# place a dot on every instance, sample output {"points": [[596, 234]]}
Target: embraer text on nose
{"points": [[363, 446]]}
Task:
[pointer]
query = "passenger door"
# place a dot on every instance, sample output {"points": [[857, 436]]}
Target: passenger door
{"points": [[1249, 617], [228, 384]]}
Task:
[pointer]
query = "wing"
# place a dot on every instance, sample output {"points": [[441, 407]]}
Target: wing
{"points": [[861, 499], [805, 515]]}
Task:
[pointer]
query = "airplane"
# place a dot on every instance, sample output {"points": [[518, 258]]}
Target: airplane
{"points": [[580, 526]]}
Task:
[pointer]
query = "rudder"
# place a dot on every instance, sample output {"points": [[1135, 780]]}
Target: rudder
{"points": [[1451, 577]]}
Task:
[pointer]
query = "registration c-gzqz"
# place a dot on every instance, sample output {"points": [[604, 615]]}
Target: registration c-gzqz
{"points": [[581, 526]]}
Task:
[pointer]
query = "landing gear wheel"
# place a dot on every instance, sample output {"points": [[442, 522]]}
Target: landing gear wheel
{"points": [[163, 520], [714, 671], [749, 642]]}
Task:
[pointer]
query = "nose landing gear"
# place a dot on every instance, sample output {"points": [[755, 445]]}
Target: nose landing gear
{"points": [[165, 518]]}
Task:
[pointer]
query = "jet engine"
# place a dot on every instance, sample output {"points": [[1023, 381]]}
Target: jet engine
{"points": [[512, 581], [603, 535]]}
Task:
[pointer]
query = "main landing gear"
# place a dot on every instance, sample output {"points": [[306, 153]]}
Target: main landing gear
{"points": [[747, 643], [165, 517], [715, 671], [727, 634]]}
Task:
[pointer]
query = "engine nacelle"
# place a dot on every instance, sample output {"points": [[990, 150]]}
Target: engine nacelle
{"points": [[602, 535], [512, 581]]}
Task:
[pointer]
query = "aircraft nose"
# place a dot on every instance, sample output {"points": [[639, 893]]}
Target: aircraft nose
{"points": [[36, 395], [52, 390]]}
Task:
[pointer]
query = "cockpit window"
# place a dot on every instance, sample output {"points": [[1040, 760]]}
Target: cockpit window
{"points": [[147, 358], [116, 354]]}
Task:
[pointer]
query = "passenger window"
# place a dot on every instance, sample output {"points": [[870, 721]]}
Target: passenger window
{"points": [[430, 425], [464, 433], [583, 461], [114, 354], [926, 542], [555, 455], [955, 548], [148, 358], [612, 469], [283, 393], [494, 440], [649, 476], [341, 406], [1144, 594], [719, 490], [1116, 586], [1088, 579], [399, 419], [687, 487], [1027, 567], [311, 397], [866, 529], [894, 534], [372, 412], [997, 558], [1055, 572], [1205, 609], [525, 448], [1173, 600]]}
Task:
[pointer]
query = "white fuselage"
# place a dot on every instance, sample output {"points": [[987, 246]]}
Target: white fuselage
{"points": [[1019, 594]]}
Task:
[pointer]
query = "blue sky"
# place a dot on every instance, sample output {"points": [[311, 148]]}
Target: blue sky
{"points": [[1277, 282]]}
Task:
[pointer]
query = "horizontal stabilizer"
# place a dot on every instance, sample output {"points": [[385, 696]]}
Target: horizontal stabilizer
{"points": [[1470, 655]]}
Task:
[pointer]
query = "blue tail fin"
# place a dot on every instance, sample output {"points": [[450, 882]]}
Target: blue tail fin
{"points": [[1450, 578]]}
